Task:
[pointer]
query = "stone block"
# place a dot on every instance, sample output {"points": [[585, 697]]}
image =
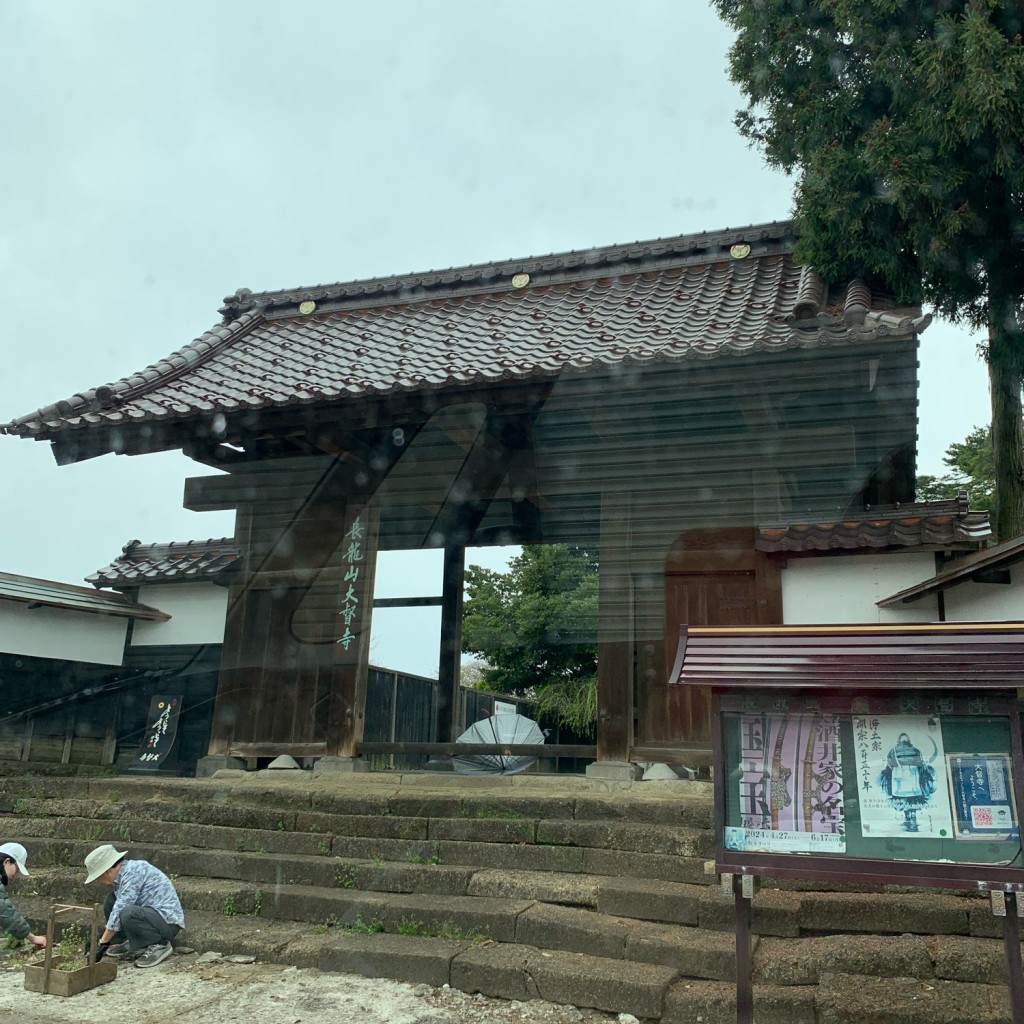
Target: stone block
{"points": [[501, 971], [693, 953], [481, 830], [651, 900], [714, 1002], [645, 865], [567, 928], [854, 999], [415, 960], [896, 913], [773, 912], [207, 767], [570, 889], [804, 961], [614, 771]]}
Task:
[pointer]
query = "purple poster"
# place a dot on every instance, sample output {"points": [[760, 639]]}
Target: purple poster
{"points": [[791, 785]]}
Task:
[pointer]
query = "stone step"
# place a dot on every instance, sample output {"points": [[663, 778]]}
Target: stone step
{"points": [[690, 806]]}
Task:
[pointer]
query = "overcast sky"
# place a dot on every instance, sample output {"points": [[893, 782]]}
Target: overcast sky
{"points": [[157, 156]]}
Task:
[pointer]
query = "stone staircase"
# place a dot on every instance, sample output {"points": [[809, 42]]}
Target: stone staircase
{"points": [[550, 887]]}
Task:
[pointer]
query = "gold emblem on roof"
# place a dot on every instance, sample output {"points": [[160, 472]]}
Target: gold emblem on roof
{"points": [[307, 307], [520, 280], [740, 251]]}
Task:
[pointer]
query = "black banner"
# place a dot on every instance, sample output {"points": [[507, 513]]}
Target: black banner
{"points": [[160, 734]]}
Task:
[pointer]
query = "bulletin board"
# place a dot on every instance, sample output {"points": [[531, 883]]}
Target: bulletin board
{"points": [[925, 784]]}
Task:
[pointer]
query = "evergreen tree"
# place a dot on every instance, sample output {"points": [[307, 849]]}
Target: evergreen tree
{"points": [[905, 122], [972, 469], [535, 626]]}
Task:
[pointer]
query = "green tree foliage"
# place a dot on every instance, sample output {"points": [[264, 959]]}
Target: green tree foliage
{"points": [[905, 122], [972, 469], [535, 627]]}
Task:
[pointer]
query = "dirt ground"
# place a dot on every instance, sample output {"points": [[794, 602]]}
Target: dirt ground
{"points": [[192, 988]]}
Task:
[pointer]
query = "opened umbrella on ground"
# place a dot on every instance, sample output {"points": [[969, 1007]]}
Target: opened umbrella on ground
{"points": [[503, 729]]}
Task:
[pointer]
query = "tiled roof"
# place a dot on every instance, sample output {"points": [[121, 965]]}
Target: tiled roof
{"points": [[927, 523], [141, 563], [37, 593], [687, 298], [975, 566]]}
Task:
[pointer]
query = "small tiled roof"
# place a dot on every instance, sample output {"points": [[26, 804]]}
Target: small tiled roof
{"points": [[969, 567], [36, 593], [927, 523], [192, 560], [956, 655], [687, 298]]}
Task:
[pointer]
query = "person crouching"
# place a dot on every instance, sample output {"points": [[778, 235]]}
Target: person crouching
{"points": [[142, 909], [13, 857]]}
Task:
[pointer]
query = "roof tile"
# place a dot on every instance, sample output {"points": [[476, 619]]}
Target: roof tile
{"points": [[666, 300]]}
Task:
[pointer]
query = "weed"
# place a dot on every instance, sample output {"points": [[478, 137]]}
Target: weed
{"points": [[229, 906], [11, 942], [366, 927], [434, 858], [59, 856], [113, 797], [257, 904], [280, 826], [345, 878], [69, 951], [239, 844], [321, 928], [92, 833], [491, 811], [448, 930], [409, 927], [324, 846], [378, 861], [259, 848]]}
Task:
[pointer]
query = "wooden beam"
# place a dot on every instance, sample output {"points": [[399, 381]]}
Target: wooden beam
{"points": [[615, 633], [509, 749], [452, 580], [275, 749]]}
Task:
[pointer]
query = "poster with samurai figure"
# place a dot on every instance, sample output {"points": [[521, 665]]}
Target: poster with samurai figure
{"points": [[791, 785], [900, 781], [982, 789]]}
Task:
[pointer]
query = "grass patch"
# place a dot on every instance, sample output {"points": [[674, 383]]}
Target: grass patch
{"points": [[362, 927], [229, 906], [345, 877]]}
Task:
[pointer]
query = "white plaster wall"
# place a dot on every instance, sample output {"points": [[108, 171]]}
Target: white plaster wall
{"points": [[987, 602], [844, 589], [61, 633], [197, 613]]}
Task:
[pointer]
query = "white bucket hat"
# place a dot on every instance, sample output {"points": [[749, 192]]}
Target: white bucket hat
{"points": [[100, 860], [18, 854]]}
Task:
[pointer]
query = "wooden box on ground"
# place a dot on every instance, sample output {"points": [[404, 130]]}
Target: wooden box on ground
{"points": [[69, 983], [44, 976]]}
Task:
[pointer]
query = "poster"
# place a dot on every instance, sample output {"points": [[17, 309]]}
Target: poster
{"points": [[790, 785], [981, 786], [900, 776]]}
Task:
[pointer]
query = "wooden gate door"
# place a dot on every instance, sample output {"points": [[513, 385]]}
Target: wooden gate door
{"points": [[712, 578]]}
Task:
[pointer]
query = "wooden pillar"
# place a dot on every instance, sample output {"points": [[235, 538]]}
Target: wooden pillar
{"points": [[451, 642], [296, 642], [615, 643]]}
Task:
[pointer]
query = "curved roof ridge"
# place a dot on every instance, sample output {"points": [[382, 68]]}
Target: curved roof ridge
{"points": [[600, 256], [108, 396]]}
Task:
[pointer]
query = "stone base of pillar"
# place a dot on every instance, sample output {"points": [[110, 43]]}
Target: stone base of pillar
{"points": [[614, 771], [206, 766], [340, 765]]}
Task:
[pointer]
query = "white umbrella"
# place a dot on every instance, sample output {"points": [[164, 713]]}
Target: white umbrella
{"points": [[502, 729]]}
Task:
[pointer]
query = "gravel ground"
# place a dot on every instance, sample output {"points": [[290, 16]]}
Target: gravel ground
{"points": [[197, 988]]}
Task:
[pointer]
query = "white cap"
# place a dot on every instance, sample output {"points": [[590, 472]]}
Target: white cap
{"points": [[18, 854]]}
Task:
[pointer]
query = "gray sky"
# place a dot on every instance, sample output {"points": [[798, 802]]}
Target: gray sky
{"points": [[158, 156]]}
